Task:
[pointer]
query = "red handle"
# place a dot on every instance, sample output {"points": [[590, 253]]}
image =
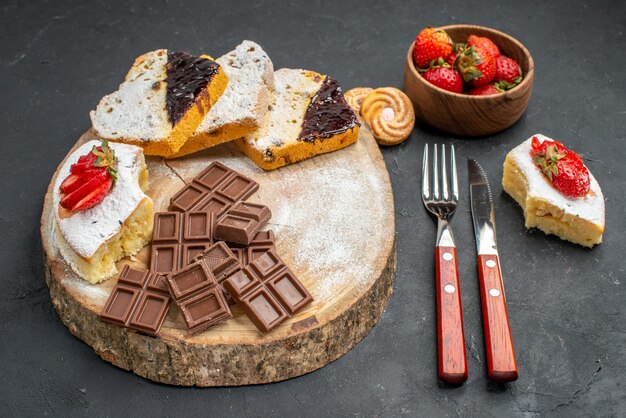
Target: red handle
{"points": [[501, 364], [451, 359]]}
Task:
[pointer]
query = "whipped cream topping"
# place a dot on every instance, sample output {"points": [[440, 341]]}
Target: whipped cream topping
{"points": [[86, 231], [589, 207]]}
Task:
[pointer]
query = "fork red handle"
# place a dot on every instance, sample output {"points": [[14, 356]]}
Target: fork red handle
{"points": [[501, 364], [451, 358]]}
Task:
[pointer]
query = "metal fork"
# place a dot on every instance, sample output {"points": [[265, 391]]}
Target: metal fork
{"points": [[440, 199]]}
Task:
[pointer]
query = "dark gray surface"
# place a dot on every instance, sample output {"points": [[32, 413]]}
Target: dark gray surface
{"points": [[566, 303]]}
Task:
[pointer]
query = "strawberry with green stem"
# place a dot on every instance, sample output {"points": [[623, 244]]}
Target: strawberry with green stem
{"points": [[90, 180], [563, 167], [508, 73], [443, 76], [430, 45], [476, 65]]}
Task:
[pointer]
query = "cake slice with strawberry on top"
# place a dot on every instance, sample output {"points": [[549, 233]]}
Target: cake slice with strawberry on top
{"points": [[102, 213], [556, 190]]}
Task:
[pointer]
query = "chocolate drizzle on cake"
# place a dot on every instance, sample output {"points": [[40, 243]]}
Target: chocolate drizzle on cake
{"points": [[328, 113], [187, 76]]}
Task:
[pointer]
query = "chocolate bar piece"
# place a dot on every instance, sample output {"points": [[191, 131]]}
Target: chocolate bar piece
{"points": [[178, 238], [198, 295], [267, 291], [216, 189], [139, 301], [262, 242], [241, 223], [222, 263]]}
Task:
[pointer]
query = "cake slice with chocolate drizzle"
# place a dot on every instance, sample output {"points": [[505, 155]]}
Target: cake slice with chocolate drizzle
{"points": [[161, 102], [308, 116]]}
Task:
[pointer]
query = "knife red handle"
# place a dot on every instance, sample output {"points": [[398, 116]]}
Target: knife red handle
{"points": [[451, 358], [501, 364]]}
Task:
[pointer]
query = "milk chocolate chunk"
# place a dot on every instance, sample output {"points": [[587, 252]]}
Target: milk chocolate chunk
{"points": [[178, 238], [199, 296], [262, 242], [216, 189], [242, 222], [268, 291], [222, 262], [139, 301]]}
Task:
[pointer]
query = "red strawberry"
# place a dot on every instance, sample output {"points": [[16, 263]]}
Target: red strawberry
{"points": [[70, 201], [484, 43], [85, 161], [444, 77], [563, 167], [456, 50], [430, 45], [476, 66], [508, 72], [90, 179], [485, 90]]}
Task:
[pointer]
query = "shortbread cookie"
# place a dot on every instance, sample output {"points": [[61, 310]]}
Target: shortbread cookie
{"points": [[92, 240], [309, 116], [576, 219], [161, 102], [355, 97], [390, 114], [243, 107]]}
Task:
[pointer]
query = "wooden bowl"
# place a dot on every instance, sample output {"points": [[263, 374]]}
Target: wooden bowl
{"points": [[462, 114]]}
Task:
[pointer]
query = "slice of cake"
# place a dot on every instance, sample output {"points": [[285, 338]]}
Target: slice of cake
{"points": [[102, 213], [556, 191], [243, 107], [309, 116], [161, 102]]}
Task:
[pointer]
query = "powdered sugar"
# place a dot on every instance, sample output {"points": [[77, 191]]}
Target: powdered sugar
{"points": [[589, 207], [87, 230]]}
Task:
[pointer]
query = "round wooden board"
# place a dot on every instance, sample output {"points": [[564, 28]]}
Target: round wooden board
{"points": [[333, 216]]}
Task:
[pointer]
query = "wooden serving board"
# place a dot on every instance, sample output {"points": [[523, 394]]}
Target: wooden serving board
{"points": [[333, 216]]}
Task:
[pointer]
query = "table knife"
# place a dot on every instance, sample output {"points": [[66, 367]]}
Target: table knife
{"points": [[501, 363]]}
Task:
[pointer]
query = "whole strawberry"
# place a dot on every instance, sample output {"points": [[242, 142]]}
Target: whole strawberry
{"points": [[477, 66], [484, 43], [430, 45], [563, 167], [444, 77], [508, 73], [485, 90], [456, 50], [90, 180]]}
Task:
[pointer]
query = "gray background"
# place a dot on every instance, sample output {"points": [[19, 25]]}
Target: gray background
{"points": [[566, 303]]}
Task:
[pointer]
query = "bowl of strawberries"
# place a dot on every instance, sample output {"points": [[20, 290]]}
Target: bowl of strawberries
{"points": [[468, 80]]}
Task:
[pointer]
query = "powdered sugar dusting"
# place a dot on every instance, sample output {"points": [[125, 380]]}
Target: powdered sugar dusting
{"points": [[87, 230], [589, 207]]}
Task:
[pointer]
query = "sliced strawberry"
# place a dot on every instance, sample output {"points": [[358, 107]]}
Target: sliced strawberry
{"points": [[84, 162], [71, 200], [71, 183], [95, 197], [91, 178]]}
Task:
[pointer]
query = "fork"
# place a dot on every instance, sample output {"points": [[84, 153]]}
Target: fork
{"points": [[451, 358]]}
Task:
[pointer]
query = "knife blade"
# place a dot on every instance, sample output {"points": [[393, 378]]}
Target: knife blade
{"points": [[501, 362]]}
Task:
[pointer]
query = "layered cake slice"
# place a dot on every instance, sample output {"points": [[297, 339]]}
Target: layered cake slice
{"points": [[102, 213], [309, 116], [243, 107], [556, 190], [161, 102]]}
